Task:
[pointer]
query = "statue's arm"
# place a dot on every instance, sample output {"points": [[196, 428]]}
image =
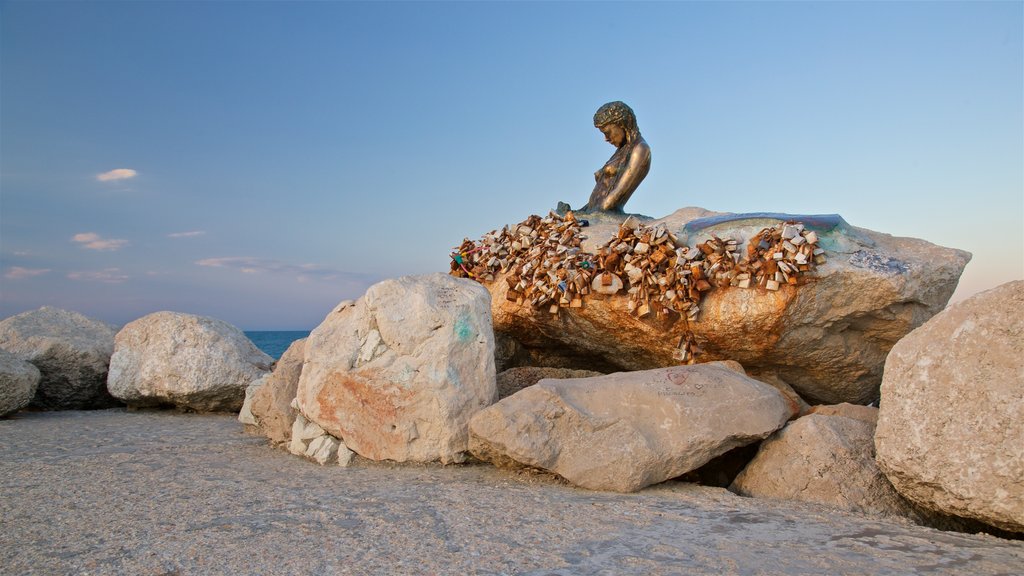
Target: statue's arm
{"points": [[635, 171]]}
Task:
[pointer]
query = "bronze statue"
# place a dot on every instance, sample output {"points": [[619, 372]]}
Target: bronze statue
{"points": [[629, 164]]}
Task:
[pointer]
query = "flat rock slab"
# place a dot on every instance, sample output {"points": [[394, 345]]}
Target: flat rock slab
{"points": [[628, 430], [112, 492]]}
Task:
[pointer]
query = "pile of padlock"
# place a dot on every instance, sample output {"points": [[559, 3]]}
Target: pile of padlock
{"points": [[544, 266]]}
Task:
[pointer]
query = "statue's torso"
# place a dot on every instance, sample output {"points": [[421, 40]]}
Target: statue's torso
{"points": [[615, 169]]}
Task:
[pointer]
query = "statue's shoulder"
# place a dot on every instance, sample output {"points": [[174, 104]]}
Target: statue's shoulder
{"points": [[640, 147]]}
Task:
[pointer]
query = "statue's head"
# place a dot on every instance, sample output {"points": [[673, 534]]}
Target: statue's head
{"points": [[618, 123]]}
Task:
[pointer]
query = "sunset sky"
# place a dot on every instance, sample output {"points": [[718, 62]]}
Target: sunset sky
{"points": [[258, 162]]}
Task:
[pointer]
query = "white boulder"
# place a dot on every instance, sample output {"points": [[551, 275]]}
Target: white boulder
{"points": [[185, 361], [71, 351], [18, 382], [398, 374]]}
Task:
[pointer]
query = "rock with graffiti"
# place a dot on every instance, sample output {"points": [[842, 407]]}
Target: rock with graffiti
{"points": [[808, 301], [397, 374]]}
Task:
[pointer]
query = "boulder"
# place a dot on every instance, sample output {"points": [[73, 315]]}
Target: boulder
{"points": [[170, 359], [827, 337], [272, 403], [397, 374], [950, 433], [71, 351], [515, 379], [18, 382], [625, 431], [826, 459]]}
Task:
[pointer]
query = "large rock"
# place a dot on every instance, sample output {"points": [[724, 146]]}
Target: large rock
{"points": [[71, 351], [397, 374], [272, 403], [822, 458], [950, 430], [18, 382], [184, 361], [827, 338], [625, 431]]}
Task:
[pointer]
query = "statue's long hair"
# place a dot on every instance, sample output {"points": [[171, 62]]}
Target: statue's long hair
{"points": [[618, 113]]}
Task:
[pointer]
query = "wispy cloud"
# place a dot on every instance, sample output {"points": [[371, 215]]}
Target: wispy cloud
{"points": [[301, 272], [20, 273], [107, 275], [94, 241], [117, 174], [189, 234]]}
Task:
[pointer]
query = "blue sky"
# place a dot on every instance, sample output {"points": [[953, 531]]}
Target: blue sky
{"points": [[260, 161]]}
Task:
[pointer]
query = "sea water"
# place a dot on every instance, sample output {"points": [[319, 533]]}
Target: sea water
{"points": [[275, 342]]}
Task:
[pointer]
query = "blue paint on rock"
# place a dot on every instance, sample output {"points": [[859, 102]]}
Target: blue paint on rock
{"points": [[463, 329]]}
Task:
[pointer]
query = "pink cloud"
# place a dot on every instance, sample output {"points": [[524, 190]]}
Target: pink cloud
{"points": [[117, 174], [189, 234], [20, 273], [107, 276], [93, 241]]}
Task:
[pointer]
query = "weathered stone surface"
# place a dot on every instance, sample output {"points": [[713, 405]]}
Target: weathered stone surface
{"points": [[272, 403], [397, 374], [515, 379], [71, 351], [827, 459], [191, 495], [628, 430], [186, 361], [18, 381], [827, 338], [950, 433]]}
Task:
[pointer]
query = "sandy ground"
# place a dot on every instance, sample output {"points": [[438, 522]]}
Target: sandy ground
{"points": [[115, 492]]}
